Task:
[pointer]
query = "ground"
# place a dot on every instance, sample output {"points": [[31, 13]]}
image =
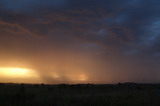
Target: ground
{"points": [[126, 94]]}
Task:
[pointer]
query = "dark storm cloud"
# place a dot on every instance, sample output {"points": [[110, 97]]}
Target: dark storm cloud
{"points": [[112, 30]]}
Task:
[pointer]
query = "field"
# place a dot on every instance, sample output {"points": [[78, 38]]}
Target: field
{"points": [[127, 94]]}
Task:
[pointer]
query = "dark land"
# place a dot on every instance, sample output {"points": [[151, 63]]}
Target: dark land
{"points": [[126, 94]]}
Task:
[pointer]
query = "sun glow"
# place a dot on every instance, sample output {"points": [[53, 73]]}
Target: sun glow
{"points": [[77, 77], [14, 72], [82, 77]]}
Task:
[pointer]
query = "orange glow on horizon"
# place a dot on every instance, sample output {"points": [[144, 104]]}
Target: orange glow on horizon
{"points": [[83, 77], [15, 72], [72, 77], [78, 77], [19, 75], [26, 75]]}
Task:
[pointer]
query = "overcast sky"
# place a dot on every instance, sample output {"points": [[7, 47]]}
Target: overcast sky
{"points": [[82, 41]]}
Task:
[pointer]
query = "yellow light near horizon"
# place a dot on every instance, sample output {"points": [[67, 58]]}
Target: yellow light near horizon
{"points": [[55, 75], [82, 77], [12, 72], [78, 77]]}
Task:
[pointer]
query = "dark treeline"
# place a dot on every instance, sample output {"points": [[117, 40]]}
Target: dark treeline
{"points": [[126, 94]]}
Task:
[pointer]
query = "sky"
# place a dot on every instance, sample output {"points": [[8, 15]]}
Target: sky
{"points": [[79, 41]]}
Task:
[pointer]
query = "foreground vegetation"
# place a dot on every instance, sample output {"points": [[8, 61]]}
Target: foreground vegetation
{"points": [[128, 94]]}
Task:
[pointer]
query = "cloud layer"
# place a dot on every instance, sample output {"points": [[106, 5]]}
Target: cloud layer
{"points": [[107, 41]]}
